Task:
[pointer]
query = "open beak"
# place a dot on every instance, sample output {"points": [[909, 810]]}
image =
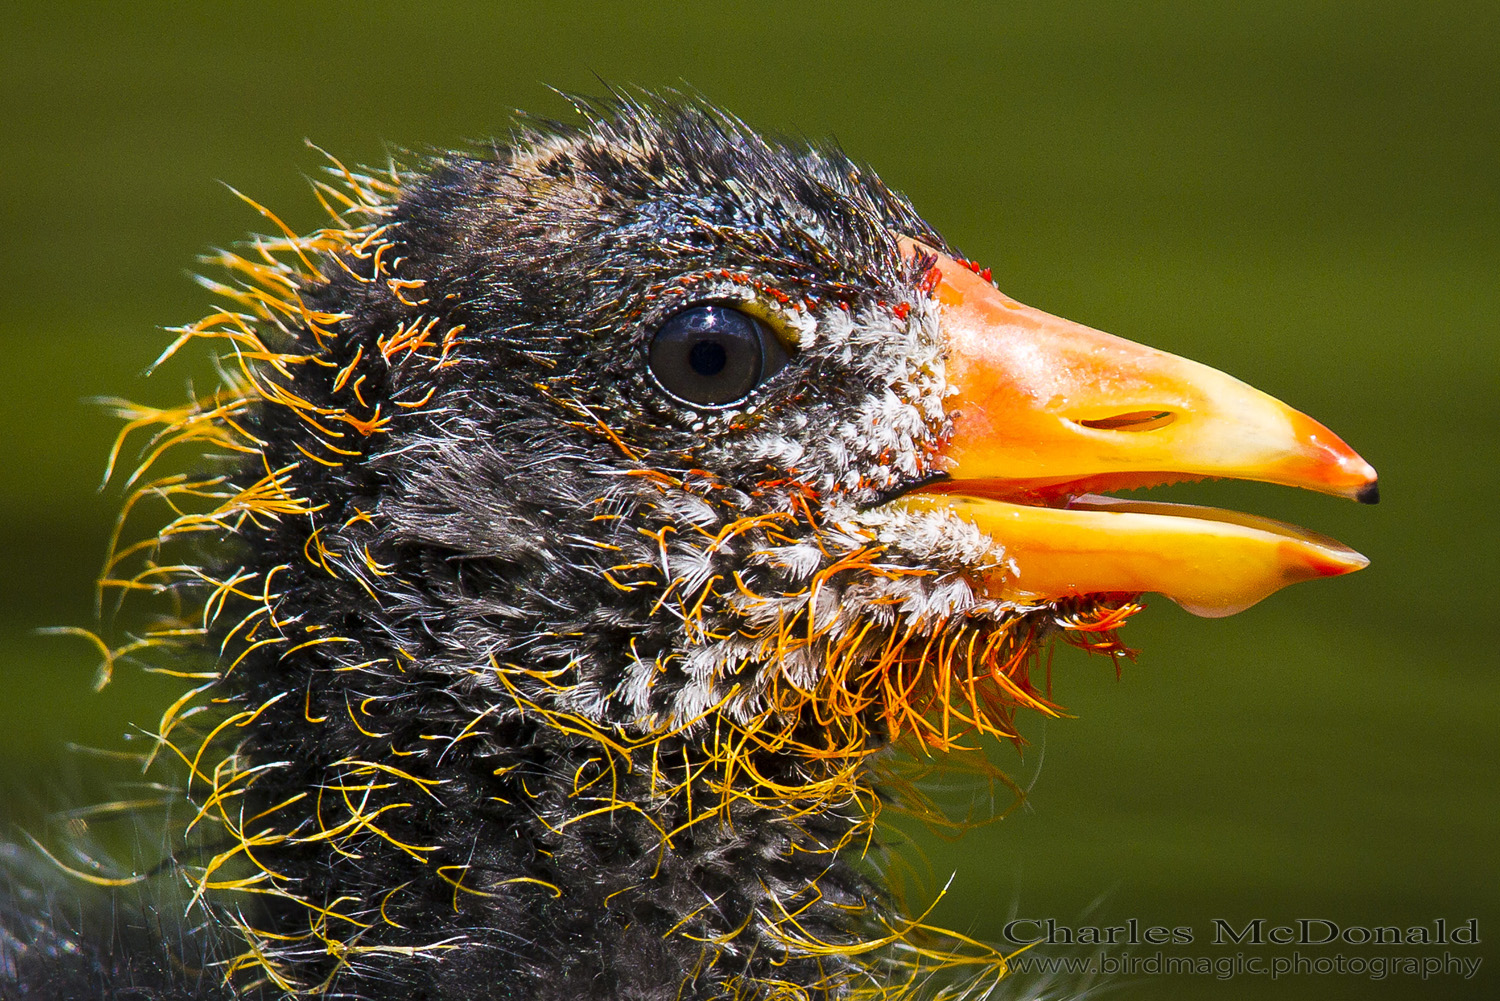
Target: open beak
{"points": [[1046, 414]]}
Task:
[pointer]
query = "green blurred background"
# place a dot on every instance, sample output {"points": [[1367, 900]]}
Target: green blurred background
{"points": [[1304, 194]]}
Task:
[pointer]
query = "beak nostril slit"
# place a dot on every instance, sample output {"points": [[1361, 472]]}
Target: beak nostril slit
{"points": [[1136, 420]]}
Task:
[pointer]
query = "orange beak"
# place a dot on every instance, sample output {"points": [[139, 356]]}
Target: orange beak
{"points": [[1046, 412]]}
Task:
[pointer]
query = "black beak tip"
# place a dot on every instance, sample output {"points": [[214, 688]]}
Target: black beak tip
{"points": [[1369, 493]]}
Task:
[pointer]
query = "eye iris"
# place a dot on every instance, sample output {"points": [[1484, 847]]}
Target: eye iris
{"points": [[713, 355], [708, 358]]}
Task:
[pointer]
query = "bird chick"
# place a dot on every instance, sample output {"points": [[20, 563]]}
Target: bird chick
{"points": [[580, 525]]}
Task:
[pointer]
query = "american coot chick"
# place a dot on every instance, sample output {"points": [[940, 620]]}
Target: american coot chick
{"points": [[582, 529]]}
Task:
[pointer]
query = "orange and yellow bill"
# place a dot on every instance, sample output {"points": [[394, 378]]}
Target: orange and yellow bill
{"points": [[1046, 414]]}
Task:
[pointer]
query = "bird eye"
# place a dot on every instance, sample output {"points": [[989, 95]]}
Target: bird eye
{"points": [[714, 355]]}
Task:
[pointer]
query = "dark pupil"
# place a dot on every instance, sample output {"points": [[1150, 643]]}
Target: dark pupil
{"points": [[707, 357]]}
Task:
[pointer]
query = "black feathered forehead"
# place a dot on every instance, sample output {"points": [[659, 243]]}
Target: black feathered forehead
{"points": [[680, 189]]}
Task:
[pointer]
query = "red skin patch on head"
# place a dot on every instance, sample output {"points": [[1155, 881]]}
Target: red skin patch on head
{"points": [[974, 267], [931, 280]]}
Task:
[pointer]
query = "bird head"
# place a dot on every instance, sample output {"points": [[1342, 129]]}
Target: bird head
{"points": [[649, 469], [727, 417]]}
